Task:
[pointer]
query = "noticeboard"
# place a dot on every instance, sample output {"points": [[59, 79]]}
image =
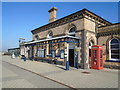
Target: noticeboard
{"points": [[62, 54]]}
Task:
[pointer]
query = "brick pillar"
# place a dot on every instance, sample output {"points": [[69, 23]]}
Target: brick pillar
{"points": [[84, 65]]}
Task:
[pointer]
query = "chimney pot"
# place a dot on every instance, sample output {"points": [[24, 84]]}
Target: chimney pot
{"points": [[52, 12]]}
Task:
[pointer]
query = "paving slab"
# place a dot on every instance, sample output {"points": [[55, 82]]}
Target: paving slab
{"points": [[106, 78]]}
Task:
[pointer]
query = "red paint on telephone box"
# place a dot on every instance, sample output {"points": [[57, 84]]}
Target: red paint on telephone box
{"points": [[97, 57]]}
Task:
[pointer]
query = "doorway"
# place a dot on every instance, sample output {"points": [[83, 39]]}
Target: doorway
{"points": [[91, 43], [29, 54], [71, 57]]}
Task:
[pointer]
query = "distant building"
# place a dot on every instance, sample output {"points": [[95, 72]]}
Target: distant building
{"points": [[72, 35], [16, 51]]}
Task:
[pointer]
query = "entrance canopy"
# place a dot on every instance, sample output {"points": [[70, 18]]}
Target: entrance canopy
{"points": [[67, 38]]}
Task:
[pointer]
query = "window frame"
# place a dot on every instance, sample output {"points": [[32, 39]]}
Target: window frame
{"points": [[110, 50], [73, 32], [50, 35]]}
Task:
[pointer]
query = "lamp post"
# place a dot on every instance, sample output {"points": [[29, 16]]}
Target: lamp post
{"points": [[20, 41]]}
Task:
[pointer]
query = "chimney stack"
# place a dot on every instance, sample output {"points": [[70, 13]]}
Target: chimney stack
{"points": [[52, 12]]}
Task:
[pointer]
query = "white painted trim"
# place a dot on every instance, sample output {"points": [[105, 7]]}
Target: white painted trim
{"points": [[110, 49], [91, 44], [67, 52]]}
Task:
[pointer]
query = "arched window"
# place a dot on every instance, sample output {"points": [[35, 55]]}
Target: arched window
{"points": [[50, 34], [114, 51], [36, 37], [72, 31], [91, 43]]}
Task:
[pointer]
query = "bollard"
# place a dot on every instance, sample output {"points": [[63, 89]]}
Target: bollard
{"points": [[67, 65], [13, 55], [76, 66], [24, 58]]}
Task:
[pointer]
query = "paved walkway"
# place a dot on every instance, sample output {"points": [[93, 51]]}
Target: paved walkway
{"points": [[1, 70], [15, 77], [75, 78]]}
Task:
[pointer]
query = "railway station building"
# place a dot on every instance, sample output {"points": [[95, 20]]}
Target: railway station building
{"points": [[71, 37]]}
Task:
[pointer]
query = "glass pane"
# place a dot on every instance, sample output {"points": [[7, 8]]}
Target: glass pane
{"points": [[115, 56], [95, 55], [114, 51], [101, 57], [114, 46], [114, 41], [50, 35], [72, 29], [100, 53], [73, 35]]}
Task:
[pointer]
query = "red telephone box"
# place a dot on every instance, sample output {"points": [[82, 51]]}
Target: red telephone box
{"points": [[97, 57]]}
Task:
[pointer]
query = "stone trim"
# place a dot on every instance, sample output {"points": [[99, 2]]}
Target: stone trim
{"points": [[112, 28], [57, 23], [54, 36], [41, 38], [75, 16], [96, 17], [59, 35], [65, 33], [115, 24], [108, 33], [94, 21], [85, 30]]}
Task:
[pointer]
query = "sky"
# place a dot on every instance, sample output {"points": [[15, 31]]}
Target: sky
{"points": [[19, 18]]}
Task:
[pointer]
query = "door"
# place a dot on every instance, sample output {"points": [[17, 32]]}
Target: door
{"points": [[29, 54], [71, 57], [90, 45]]}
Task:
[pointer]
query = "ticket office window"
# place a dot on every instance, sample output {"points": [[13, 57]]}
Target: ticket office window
{"points": [[41, 53], [59, 54]]}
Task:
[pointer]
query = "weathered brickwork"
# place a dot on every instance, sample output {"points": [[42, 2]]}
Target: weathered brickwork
{"points": [[105, 34], [61, 30]]}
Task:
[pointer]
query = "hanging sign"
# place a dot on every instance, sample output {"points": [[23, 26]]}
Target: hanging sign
{"points": [[76, 49]]}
